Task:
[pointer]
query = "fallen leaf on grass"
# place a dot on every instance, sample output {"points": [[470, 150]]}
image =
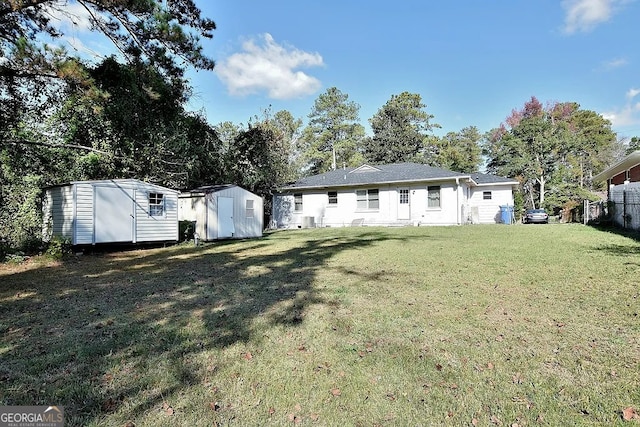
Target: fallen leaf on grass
{"points": [[495, 420], [475, 421], [110, 405], [336, 392], [629, 414], [314, 417], [295, 419], [272, 410], [214, 406], [168, 410], [248, 356]]}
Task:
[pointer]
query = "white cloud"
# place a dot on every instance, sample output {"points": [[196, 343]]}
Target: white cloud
{"points": [[631, 93], [269, 67], [615, 63], [69, 16], [628, 115], [585, 15]]}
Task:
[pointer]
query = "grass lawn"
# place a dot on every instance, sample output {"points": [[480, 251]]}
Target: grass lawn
{"points": [[476, 325]]}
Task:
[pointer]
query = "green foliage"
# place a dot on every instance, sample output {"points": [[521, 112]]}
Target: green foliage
{"points": [[58, 247], [400, 130], [634, 145], [333, 135], [457, 151], [167, 35], [554, 151]]}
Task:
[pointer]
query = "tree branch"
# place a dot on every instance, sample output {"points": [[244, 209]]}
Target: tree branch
{"points": [[53, 145]]}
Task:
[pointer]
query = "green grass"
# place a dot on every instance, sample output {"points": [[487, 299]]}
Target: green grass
{"points": [[487, 325]]}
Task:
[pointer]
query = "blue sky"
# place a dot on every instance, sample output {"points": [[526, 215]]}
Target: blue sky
{"points": [[471, 61]]}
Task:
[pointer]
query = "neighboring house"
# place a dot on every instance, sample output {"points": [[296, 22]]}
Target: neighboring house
{"points": [[110, 211], [222, 211], [395, 194], [623, 195]]}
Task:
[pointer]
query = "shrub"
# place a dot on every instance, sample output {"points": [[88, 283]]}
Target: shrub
{"points": [[59, 247]]}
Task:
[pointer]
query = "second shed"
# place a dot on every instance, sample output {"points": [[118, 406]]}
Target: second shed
{"points": [[222, 212]]}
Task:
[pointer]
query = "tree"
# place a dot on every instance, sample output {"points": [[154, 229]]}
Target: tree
{"points": [[633, 145], [551, 150], [258, 158], [400, 130], [457, 151], [333, 134], [164, 33]]}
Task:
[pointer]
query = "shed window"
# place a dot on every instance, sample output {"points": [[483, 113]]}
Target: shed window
{"points": [[297, 202], [368, 199], [433, 196], [486, 195], [156, 204], [249, 208], [333, 197]]}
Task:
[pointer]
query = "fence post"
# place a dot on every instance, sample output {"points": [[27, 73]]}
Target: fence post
{"points": [[585, 210], [624, 209]]}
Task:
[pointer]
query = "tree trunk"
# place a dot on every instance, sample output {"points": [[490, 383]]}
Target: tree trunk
{"points": [[541, 181]]}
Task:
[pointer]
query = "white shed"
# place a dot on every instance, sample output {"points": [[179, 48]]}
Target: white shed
{"points": [[222, 212], [110, 211]]}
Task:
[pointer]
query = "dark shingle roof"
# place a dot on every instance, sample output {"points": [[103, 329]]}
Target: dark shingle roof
{"points": [[385, 174]]}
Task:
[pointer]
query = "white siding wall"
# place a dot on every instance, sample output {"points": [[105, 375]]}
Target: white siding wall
{"points": [[204, 210], [58, 210], [70, 209], [245, 227], [156, 228], [83, 214], [489, 210], [192, 208], [315, 204]]}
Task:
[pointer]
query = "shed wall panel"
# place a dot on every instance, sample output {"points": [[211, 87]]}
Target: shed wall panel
{"points": [[156, 228], [84, 214]]}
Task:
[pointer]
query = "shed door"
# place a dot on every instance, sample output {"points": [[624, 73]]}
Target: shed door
{"points": [[225, 217], [113, 211], [404, 205]]}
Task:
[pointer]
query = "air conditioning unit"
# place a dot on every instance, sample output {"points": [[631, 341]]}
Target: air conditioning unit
{"points": [[308, 222]]}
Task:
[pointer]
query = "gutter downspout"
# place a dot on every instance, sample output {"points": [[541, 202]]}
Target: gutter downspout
{"points": [[458, 200]]}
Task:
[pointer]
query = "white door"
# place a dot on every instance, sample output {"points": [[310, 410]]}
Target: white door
{"points": [[113, 213], [225, 217], [404, 205]]}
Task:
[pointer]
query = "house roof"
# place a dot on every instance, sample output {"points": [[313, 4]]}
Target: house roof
{"points": [[392, 173], [628, 162]]}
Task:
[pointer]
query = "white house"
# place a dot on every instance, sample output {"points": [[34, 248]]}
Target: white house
{"points": [[222, 211], [395, 194], [110, 211]]}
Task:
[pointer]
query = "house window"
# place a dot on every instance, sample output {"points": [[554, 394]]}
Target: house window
{"points": [[333, 197], [297, 202], [404, 196], [486, 195], [433, 196], [249, 208], [156, 204], [368, 199]]}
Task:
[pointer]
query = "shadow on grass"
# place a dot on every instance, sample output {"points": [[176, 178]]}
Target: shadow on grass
{"points": [[68, 329], [621, 250]]}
